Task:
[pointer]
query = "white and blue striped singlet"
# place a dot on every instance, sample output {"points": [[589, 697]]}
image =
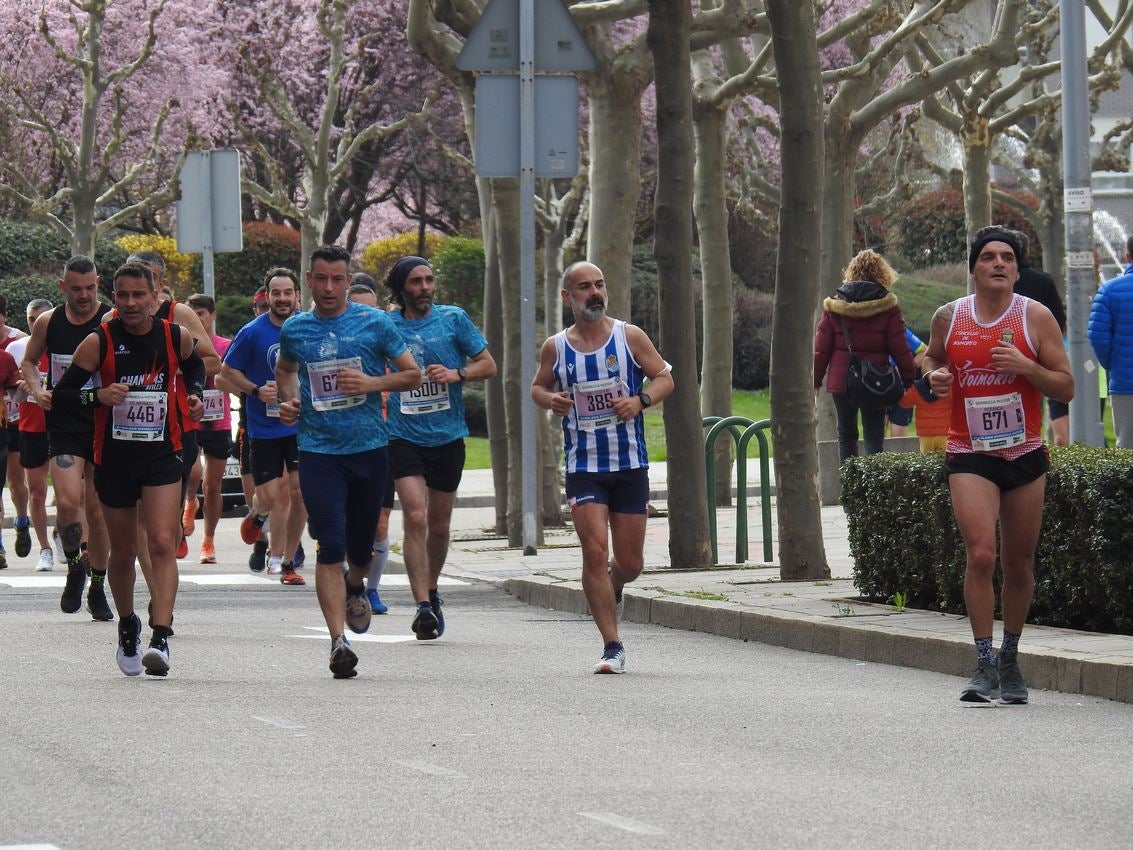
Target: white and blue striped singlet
{"points": [[614, 447]]}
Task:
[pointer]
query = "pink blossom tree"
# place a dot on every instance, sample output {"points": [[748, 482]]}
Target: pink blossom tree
{"points": [[104, 97]]}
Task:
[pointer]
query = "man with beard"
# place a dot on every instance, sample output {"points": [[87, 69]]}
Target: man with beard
{"points": [[593, 375], [249, 368], [427, 428], [70, 435]]}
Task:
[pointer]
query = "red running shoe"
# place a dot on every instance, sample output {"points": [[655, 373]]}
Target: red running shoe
{"points": [[291, 577], [183, 548], [249, 531]]}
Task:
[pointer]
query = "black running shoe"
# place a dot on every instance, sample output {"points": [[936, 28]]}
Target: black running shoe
{"points": [[435, 601], [425, 623], [72, 598], [96, 602], [342, 659], [257, 561], [23, 540]]}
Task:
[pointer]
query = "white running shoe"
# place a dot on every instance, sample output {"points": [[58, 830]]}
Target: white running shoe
{"points": [[156, 659], [46, 561], [275, 565], [129, 655], [613, 659]]}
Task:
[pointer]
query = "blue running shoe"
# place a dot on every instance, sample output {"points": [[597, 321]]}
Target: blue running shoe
{"points": [[23, 536], [300, 557], [376, 604]]}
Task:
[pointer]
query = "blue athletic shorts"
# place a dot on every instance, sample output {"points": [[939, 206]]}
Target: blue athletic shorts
{"points": [[624, 492], [343, 495]]}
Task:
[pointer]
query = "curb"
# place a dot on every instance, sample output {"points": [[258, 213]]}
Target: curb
{"points": [[1065, 671]]}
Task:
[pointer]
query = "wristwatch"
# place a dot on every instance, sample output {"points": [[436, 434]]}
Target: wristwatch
{"points": [[646, 401], [256, 392], [463, 373]]}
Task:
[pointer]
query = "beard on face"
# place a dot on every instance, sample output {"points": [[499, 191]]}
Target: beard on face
{"points": [[595, 309]]}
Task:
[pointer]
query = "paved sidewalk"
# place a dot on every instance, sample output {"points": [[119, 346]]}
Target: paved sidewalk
{"points": [[748, 602]]}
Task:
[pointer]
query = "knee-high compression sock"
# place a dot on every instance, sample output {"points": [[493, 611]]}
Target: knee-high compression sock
{"points": [[378, 564]]}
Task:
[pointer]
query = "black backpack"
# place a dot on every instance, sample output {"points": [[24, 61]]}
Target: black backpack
{"points": [[868, 385]]}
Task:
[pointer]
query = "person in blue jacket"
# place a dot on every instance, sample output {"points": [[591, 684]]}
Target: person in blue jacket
{"points": [[1111, 334]]}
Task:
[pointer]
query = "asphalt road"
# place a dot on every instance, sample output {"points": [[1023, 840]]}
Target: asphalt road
{"points": [[499, 736]]}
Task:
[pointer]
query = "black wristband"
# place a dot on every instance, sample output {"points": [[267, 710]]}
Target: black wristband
{"points": [[255, 392]]}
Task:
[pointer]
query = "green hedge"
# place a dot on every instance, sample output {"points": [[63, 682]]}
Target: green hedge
{"points": [[266, 245], [933, 231], [903, 537]]}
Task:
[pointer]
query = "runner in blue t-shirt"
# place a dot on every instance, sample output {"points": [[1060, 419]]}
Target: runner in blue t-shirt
{"points": [[427, 428], [331, 372], [249, 368]]}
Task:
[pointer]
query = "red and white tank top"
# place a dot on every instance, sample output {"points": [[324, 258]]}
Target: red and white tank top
{"points": [[993, 413]]}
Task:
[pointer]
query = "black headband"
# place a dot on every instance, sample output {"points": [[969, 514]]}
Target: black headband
{"points": [[401, 269], [993, 236]]}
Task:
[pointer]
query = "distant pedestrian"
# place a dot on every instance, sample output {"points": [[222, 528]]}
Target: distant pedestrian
{"points": [[1036, 284], [865, 306], [1111, 334], [593, 374]]}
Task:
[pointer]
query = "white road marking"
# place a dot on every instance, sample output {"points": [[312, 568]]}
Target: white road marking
{"points": [[323, 633], [280, 722], [28, 847], [34, 581], [431, 769], [206, 580], [620, 822]]}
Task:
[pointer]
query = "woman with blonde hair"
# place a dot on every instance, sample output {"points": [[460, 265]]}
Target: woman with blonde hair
{"points": [[864, 308]]}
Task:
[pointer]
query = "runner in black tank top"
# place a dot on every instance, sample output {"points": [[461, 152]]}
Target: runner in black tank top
{"points": [[138, 451], [70, 441]]}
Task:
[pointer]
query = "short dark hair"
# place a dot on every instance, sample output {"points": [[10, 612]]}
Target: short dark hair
{"points": [[79, 264], [331, 254], [280, 271], [149, 258], [200, 301], [138, 271]]}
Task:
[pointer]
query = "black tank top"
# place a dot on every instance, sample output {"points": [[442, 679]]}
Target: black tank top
{"points": [[63, 337], [147, 363]]}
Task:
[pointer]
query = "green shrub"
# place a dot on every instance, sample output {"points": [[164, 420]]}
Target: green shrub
{"points": [[29, 247], [109, 255], [475, 410], [232, 313], [903, 536], [266, 245], [378, 257], [459, 267], [933, 230], [21, 289]]}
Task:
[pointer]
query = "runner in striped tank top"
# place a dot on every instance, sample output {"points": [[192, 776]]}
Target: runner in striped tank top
{"points": [[593, 375], [995, 354]]}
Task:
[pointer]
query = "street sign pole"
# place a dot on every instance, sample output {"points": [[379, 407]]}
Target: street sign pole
{"points": [[527, 264], [1085, 422], [207, 270]]}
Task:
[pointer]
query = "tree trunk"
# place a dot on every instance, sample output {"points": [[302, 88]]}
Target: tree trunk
{"points": [[802, 554], [550, 429], [494, 333], [710, 124], [505, 207], [977, 176], [615, 180], [670, 22]]}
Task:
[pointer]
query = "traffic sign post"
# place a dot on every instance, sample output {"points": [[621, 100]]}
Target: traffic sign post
{"points": [[518, 39], [208, 214]]}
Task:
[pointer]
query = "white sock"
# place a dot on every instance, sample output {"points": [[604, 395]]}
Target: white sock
{"points": [[378, 564]]}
